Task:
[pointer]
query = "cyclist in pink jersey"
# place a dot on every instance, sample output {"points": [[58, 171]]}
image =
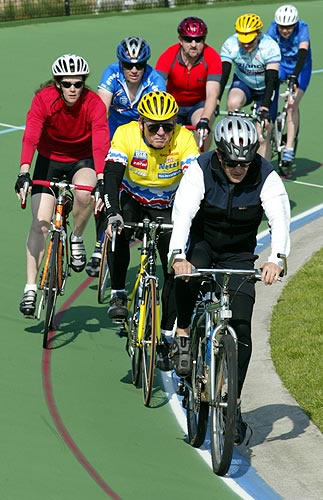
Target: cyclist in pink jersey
{"points": [[193, 72], [67, 125]]}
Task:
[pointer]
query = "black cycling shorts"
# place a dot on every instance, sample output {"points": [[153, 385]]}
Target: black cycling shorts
{"points": [[49, 170]]}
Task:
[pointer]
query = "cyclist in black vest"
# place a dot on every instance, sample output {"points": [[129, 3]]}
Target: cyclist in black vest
{"points": [[228, 190]]}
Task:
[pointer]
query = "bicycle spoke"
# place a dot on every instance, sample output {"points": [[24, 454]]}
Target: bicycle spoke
{"points": [[51, 286], [134, 348], [149, 342], [104, 271]]}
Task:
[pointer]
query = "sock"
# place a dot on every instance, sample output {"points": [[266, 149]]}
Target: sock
{"points": [[114, 293], [32, 287], [76, 239], [288, 154]]}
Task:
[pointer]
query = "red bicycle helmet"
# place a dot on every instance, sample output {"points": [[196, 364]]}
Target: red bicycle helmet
{"points": [[192, 27]]}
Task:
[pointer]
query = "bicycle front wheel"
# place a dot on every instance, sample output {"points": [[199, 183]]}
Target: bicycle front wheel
{"points": [[149, 341], [197, 410], [223, 404], [104, 271], [51, 286], [135, 350]]}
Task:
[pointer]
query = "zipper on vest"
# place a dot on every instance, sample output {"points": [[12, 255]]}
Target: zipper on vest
{"points": [[229, 206]]}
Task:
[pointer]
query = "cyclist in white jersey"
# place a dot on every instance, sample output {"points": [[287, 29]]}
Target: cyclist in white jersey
{"points": [[256, 59]]}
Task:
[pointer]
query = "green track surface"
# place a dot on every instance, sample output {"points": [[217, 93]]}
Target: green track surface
{"points": [[140, 453]]}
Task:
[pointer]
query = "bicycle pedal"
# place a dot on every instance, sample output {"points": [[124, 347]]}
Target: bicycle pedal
{"points": [[122, 332], [180, 389]]}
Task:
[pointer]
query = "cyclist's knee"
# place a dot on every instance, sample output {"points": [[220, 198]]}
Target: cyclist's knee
{"points": [[84, 198], [39, 227]]}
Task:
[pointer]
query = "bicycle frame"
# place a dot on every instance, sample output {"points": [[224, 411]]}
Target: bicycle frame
{"points": [[280, 121], [59, 224], [146, 271], [53, 277]]}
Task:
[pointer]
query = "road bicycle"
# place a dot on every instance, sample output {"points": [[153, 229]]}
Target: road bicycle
{"points": [[143, 326], [211, 391], [56, 268], [279, 132]]}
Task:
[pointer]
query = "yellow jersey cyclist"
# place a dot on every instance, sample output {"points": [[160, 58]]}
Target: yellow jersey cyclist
{"points": [[144, 167], [256, 59], [121, 87]]}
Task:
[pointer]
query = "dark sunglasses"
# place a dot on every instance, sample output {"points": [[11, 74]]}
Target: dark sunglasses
{"points": [[233, 164], [167, 127], [140, 65], [189, 39], [68, 85]]}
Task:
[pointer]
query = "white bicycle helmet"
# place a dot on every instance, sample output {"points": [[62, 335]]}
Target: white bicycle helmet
{"points": [[70, 65], [237, 139], [286, 15]]}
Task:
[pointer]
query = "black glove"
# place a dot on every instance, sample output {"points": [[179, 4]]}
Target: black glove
{"points": [[21, 180], [292, 80], [263, 115], [115, 218], [203, 123], [98, 191]]}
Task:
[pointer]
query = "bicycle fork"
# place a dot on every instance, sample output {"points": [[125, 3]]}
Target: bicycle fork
{"points": [[215, 346]]}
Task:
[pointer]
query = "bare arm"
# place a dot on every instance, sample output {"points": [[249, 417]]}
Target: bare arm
{"points": [[212, 95], [106, 98]]}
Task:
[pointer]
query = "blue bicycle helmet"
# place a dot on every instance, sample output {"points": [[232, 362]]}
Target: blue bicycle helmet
{"points": [[133, 50]]}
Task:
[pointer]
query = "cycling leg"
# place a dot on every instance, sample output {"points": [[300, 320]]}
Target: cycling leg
{"points": [[293, 119], [242, 308], [83, 202], [42, 205]]}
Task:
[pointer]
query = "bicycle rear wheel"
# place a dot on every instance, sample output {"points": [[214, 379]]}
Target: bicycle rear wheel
{"points": [[197, 411], [104, 270], [52, 287], [149, 341], [223, 404]]}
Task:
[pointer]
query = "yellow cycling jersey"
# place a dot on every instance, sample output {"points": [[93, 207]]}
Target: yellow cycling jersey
{"points": [[152, 175]]}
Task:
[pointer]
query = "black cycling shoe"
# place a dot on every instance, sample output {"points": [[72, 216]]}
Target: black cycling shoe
{"points": [[118, 310], [93, 266], [163, 361], [27, 305], [181, 356], [241, 428], [78, 255], [285, 168]]}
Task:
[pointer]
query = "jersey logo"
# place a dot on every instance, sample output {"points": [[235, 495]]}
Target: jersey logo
{"points": [[140, 159]]}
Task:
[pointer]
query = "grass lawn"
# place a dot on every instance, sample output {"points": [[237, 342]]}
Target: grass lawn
{"points": [[297, 338]]}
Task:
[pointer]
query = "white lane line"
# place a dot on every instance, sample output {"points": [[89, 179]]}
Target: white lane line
{"points": [[304, 183], [15, 127], [170, 382]]}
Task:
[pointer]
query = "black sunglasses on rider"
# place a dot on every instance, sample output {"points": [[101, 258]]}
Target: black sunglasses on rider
{"points": [[233, 164], [189, 39], [68, 85], [140, 65], [154, 127]]}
